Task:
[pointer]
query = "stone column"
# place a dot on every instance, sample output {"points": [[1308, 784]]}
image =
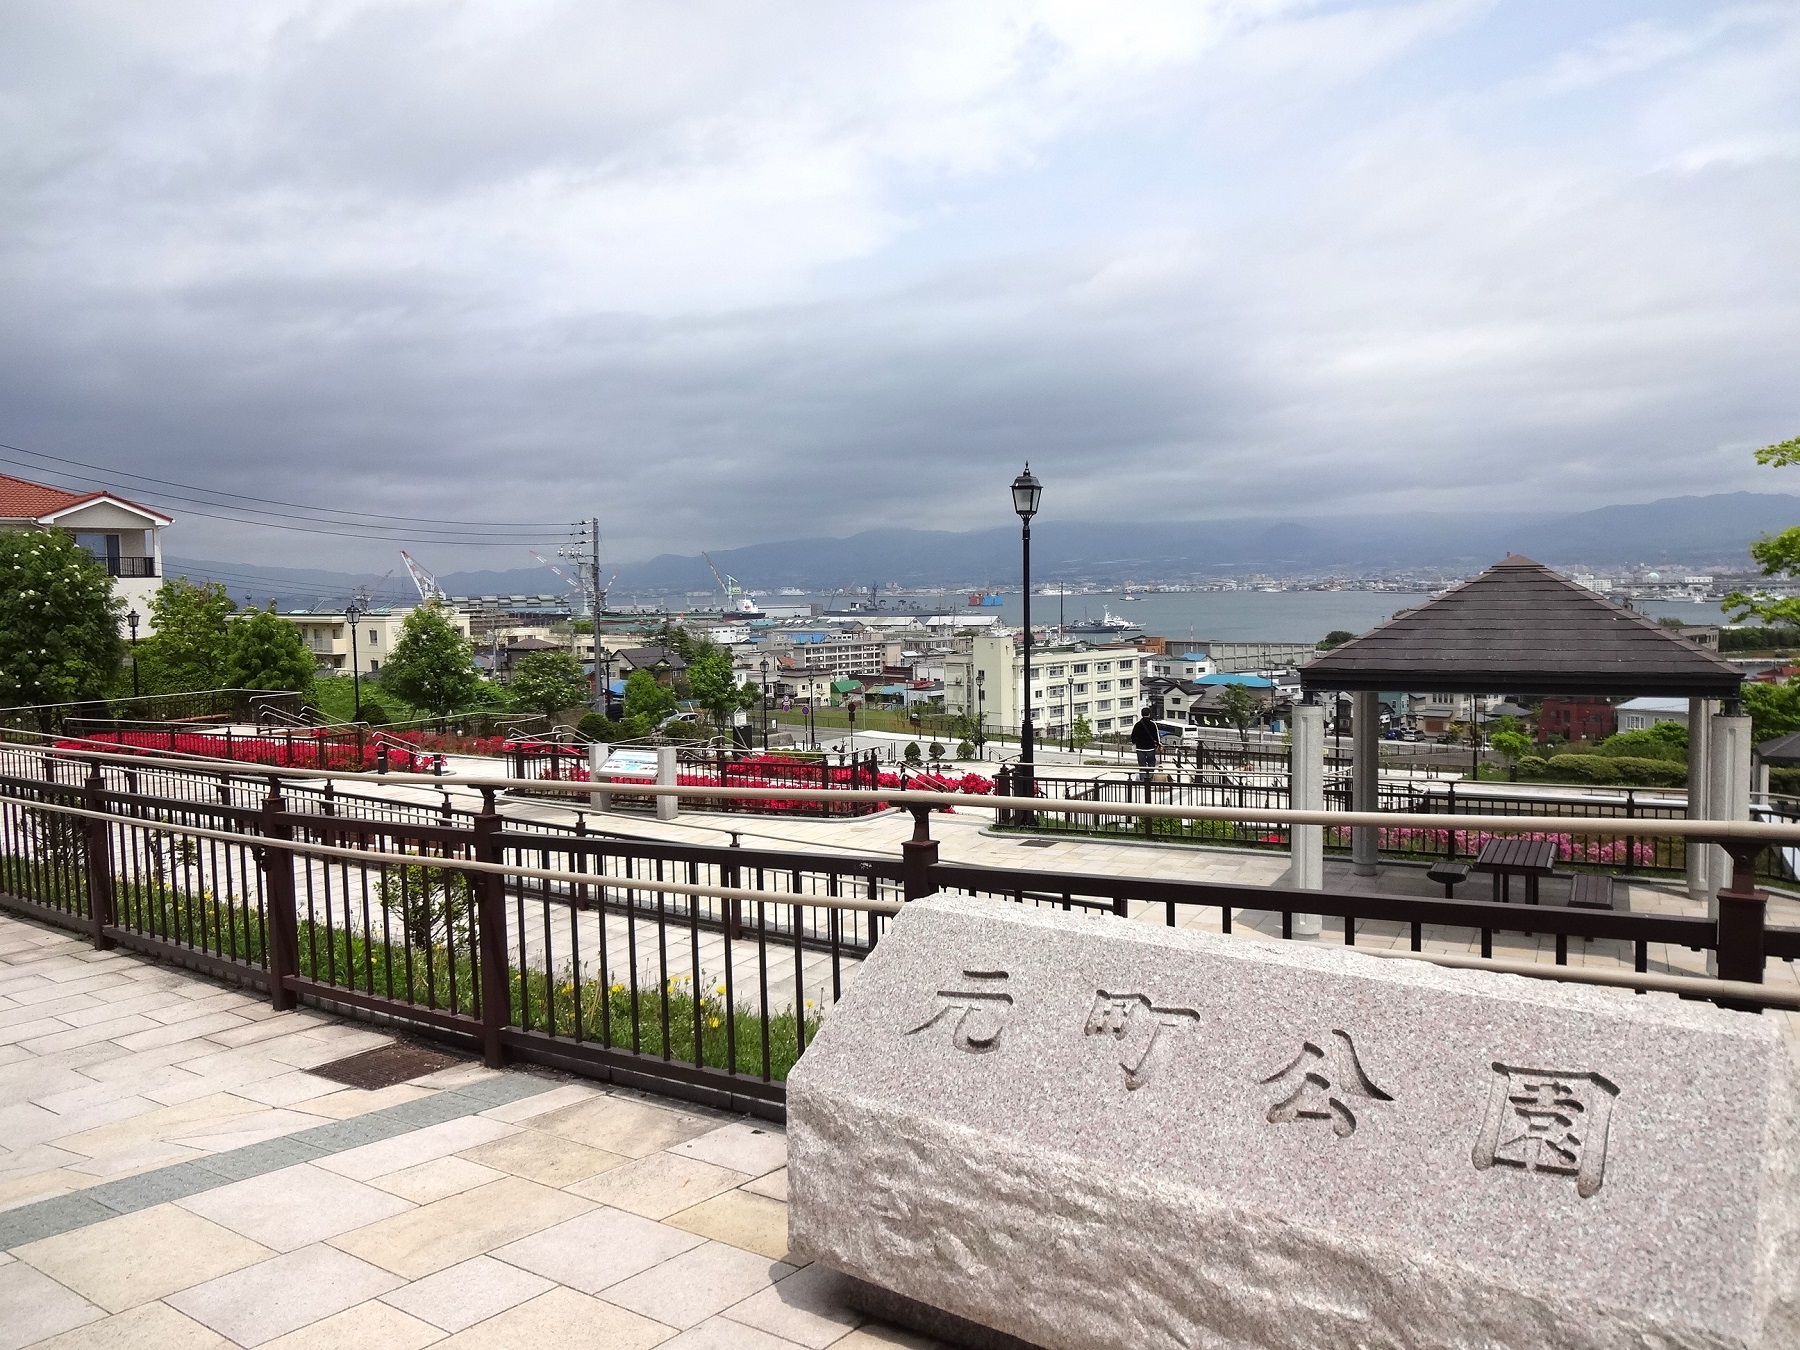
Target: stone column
{"points": [[1699, 860], [1727, 798], [1365, 779], [1307, 793], [669, 807]]}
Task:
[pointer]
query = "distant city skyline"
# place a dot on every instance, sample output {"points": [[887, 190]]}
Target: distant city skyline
{"points": [[737, 275]]}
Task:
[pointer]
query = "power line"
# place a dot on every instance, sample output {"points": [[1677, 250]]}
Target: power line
{"points": [[274, 501]]}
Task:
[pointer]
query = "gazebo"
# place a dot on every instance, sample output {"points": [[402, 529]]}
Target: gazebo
{"points": [[1519, 628]]}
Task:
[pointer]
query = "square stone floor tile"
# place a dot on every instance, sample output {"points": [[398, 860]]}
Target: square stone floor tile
{"points": [[289, 1089], [162, 1125], [367, 1326], [264, 1301], [659, 1185], [755, 1150], [135, 1258], [149, 1326], [543, 1157], [686, 1290], [416, 1146], [431, 1237], [808, 1308], [877, 1337], [720, 1333], [598, 1249], [436, 1179], [623, 1125], [564, 1320], [294, 1207], [529, 1108], [775, 1186], [753, 1222], [33, 1306], [348, 1103], [467, 1293]]}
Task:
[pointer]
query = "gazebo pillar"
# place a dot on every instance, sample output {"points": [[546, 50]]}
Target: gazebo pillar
{"points": [[1699, 780], [1365, 779], [1307, 793], [1728, 797]]}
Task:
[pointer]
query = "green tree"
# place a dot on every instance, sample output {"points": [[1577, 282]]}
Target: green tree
{"points": [[1778, 555], [549, 683], [59, 622], [431, 665], [1239, 707], [715, 686], [265, 651], [1337, 637], [1512, 743], [1774, 708], [186, 650], [1081, 735], [646, 701]]}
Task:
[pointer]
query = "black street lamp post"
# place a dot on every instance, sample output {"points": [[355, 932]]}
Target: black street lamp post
{"points": [[353, 615], [981, 714], [1026, 493], [132, 620], [765, 703]]}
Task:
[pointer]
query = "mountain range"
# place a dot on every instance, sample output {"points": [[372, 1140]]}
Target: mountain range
{"points": [[1710, 532]]}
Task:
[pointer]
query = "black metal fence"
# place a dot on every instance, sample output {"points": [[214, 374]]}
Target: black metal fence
{"points": [[1076, 806], [702, 972]]}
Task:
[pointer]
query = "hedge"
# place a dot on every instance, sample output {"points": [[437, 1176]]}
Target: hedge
{"points": [[1617, 770]]}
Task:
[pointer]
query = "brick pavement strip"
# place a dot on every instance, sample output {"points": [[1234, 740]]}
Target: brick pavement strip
{"points": [[486, 1186]]}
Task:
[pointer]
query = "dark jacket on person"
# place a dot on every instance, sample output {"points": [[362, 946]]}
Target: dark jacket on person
{"points": [[1144, 734]]}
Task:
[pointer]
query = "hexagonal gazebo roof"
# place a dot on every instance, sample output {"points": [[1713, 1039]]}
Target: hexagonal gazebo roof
{"points": [[1519, 628]]}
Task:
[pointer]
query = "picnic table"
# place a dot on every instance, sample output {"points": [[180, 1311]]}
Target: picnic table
{"points": [[1505, 859]]}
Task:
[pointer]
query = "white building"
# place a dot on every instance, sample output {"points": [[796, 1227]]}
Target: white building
{"points": [[124, 536], [1069, 680], [1185, 666], [327, 636], [1640, 714]]}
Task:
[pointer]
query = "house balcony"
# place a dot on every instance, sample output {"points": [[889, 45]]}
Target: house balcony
{"points": [[130, 567]]}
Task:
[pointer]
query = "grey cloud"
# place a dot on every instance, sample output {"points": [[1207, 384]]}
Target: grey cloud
{"points": [[354, 274]]}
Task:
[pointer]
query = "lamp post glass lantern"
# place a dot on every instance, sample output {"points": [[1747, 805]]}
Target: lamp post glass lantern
{"points": [[1027, 492], [765, 703], [132, 620]]}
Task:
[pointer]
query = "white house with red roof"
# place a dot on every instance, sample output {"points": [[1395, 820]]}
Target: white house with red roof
{"points": [[124, 536]]}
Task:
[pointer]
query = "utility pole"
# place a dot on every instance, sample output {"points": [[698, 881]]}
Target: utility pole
{"points": [[594, 608]]}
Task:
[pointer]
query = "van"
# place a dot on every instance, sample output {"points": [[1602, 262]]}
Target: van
{"points": [[1182, 731]]}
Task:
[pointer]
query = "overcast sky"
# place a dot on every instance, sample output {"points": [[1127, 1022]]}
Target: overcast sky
{"points": [[726, 273]]}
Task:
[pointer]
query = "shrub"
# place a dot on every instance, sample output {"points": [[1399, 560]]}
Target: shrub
{"points": [[1615, 770], [936, 751], [965, 750], [1664, 740], [1785, 781], [913, 754], [433, 904], [1532, 766]]}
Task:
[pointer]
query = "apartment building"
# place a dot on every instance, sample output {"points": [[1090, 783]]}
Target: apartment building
{"points": [[125, 537], [327, 637], [1102, 683]]}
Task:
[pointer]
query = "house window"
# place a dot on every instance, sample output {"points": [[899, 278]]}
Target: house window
{"points": [[1056, 672], [1105, 724], [374, 636], [1124, 685], [1103, 686], [1078, 670], [1102, 666], [1081, 709], [1125, 665], [1081, 689], [374, 666], [1104, 705]]}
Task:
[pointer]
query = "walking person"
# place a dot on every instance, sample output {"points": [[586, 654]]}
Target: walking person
{"points": [[1145, 737]]}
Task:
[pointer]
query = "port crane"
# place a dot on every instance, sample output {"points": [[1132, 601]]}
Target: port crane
{"points": [[737, 599], [429, 589]]}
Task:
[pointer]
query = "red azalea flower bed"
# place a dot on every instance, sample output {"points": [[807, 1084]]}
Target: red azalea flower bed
{"points": [[774, 771], [407, 751]]}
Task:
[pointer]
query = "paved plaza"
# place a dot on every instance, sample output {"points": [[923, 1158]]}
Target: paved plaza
{"points": [[172, 1175]]}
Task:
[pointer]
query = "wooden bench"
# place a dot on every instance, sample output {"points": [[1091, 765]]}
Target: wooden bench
{"points": [[1590, 890], [1449, 875]]}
